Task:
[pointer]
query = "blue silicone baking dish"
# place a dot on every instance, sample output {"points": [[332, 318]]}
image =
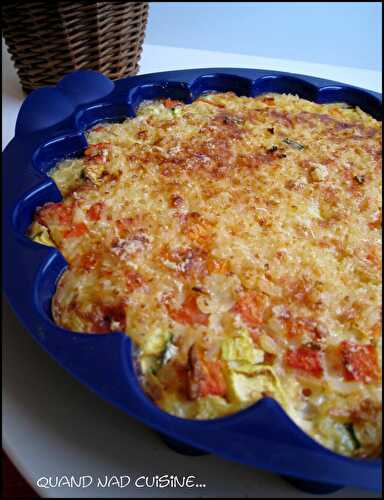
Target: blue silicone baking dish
{"points": [[50, 126]]}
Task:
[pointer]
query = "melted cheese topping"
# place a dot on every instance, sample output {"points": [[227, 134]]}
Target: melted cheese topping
{"points": [[237, 242]]}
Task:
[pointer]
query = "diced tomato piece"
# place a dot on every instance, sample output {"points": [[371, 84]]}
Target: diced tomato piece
{"points": [[189, 313], [205, 377], [359, 362], [98, 129], [94, 212], [65, 214], [296, 327], [250, 306], [171, 103], [76, 230], [59, 213], [305, 359]]}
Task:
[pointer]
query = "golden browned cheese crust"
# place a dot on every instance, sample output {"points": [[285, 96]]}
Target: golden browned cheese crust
{"points": [[237, 241]]}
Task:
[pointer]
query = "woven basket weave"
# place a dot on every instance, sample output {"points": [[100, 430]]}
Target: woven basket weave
{"points": [[46, 40]]}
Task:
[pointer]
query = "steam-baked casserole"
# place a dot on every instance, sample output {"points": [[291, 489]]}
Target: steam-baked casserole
{"points": [[237, 241]]}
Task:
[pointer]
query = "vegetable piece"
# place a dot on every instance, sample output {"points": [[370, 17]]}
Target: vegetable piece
{"points": [[55, 213], [189, 313], [359, 362], [298, 327], [169, 352], [213, 406], [247, 383], [205, 377], [158, 350], [75, 231], [156, 342], [250, 306], [149, 364], [241, 349], [40, 234], [244, 389], [351, 431], [345, 439], [247, 388], [94, 212], [171, 103], [306, 360], [94, 172], [68, 176], [97, 156], [294, 144], [176, 111], [338, 435]]}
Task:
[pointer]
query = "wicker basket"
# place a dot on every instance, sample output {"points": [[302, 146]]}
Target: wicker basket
{"points": [[46, 40]]}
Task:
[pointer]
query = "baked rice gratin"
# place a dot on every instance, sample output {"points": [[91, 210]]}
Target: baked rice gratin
{"points": [[237, 241]]}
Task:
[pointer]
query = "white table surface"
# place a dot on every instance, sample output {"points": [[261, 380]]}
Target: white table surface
{"points": [[53, 426]]}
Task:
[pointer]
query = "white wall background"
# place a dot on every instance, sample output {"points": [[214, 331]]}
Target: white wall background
{"points": [[338, 33]]}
